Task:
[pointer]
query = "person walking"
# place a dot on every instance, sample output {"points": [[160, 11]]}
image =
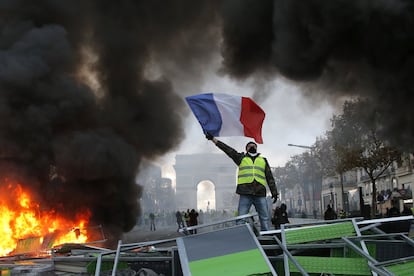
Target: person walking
{"points": [[253, 175], [330, 214], [280, 216], [193, 220], [180, 222], [187, 218], [406, 211], [152, 221]]}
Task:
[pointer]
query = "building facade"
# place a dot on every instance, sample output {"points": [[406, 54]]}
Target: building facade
{"points": [[394, 188]]}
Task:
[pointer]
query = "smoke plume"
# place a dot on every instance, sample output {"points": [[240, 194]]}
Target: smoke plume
{"points": [[334, 48], [81, 98]]}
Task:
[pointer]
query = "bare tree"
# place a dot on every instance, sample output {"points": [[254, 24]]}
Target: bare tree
{"points": [[355, 135]]}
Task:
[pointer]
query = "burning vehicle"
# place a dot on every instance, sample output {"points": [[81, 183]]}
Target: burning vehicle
{"points": [[28, 227]]}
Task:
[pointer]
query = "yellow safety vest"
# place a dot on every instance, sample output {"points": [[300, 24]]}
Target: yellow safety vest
{"points": [[249, 170]]}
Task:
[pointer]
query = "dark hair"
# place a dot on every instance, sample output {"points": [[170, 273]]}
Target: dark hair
{"points": [[253, 143]]}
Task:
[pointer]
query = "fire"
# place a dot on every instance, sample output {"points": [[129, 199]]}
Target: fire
{"points": [[22, 218]]}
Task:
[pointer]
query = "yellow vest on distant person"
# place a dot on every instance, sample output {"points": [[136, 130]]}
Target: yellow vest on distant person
{"points": [[249, 171]]}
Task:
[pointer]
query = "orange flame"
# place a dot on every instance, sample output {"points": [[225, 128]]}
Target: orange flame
{"points": [[21, 218]]}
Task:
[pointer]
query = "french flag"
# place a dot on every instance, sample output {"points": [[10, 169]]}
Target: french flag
{"points": [[228, 115]]}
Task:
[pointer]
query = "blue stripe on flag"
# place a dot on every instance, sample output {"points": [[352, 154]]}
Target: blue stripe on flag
{"points": [[205, 109]]}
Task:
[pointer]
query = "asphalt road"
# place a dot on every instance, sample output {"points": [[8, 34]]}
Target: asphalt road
{"points": [[144, 234]]}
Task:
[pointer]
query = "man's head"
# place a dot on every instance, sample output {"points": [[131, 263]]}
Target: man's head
{"points": [[251, 147]]}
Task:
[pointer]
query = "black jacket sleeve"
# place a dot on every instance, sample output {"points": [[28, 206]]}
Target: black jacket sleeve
{"points": [[232, 153], [270, 179]]}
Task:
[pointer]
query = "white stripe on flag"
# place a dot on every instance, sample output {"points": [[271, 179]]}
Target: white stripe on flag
{"points": [[230, 110]]}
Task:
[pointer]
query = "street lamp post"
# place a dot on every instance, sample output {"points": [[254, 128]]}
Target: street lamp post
{"points": [[300, 146], [332, 198]]}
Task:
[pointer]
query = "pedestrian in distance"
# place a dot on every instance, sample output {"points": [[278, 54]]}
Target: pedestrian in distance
{"points": [[254, 174], [193, 220], [179, 219], [187, 218], [406, 211], [152, 221], [280, 216], [315, 213], [330, 214]]}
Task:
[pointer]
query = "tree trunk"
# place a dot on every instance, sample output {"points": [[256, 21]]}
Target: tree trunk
{"points": [[374, 199]]}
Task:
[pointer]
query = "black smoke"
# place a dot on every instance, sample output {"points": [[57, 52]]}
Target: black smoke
{"points": [[93, 135], [335, 48]]}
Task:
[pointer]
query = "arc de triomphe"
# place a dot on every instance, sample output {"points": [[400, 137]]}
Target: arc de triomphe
{"points": [[192, 169]]}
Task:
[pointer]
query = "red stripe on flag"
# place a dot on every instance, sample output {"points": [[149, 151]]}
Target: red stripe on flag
{"points": [[252, 117]]}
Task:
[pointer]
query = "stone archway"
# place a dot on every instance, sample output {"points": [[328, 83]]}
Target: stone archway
{"points": [[191, 169], [206, 196]]}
